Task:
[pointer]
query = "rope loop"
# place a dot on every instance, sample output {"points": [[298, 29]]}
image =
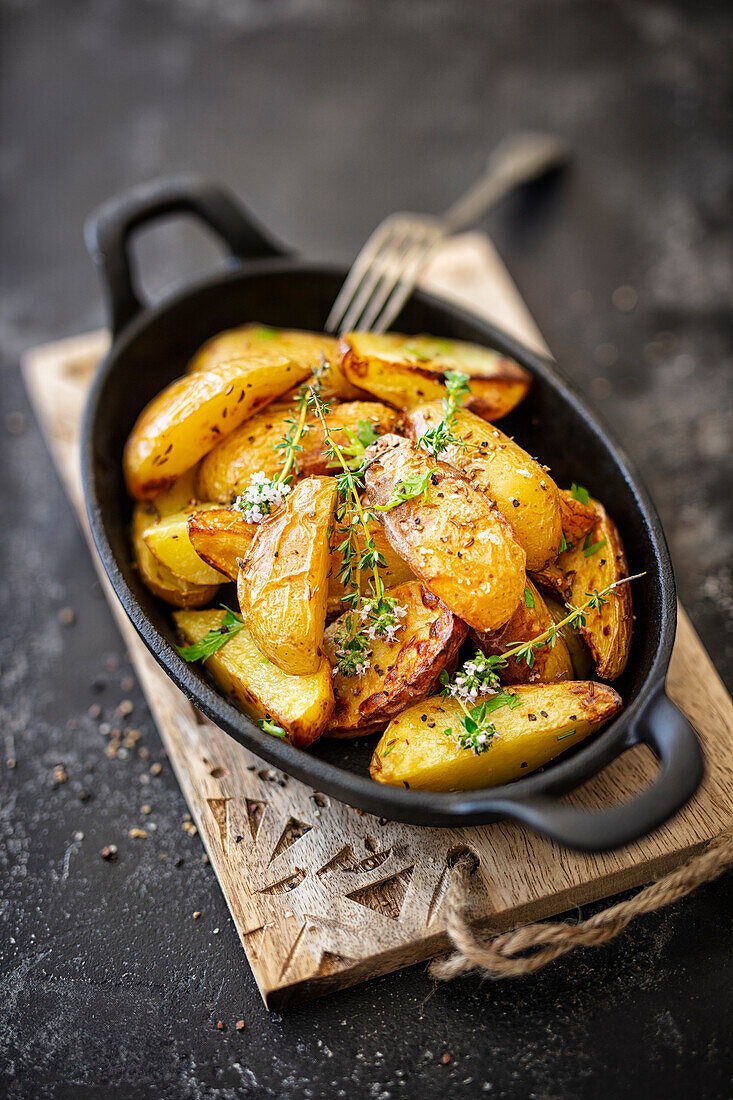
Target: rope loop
{"points": [[525, 950]]}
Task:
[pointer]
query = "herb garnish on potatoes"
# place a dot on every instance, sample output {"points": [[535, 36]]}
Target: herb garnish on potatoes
{"points": [[403, 567]]}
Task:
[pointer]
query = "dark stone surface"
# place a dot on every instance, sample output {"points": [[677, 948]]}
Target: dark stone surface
{"points": [[327, 115]]}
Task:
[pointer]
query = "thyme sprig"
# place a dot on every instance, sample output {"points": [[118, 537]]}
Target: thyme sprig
{"points": [[436, 440], [477, 732], [290, 444], [479, 676], [207, 646], [576, 617], [370, 616]]}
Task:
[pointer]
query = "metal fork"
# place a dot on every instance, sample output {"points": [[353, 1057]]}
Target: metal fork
{"points": [[389, 265]]}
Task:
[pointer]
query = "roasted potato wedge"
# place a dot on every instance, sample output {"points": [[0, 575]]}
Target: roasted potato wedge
{"points": [[168, 540], [221, 537], [451, 535], [406, 371], [522, 490], [314, 350], [181, 495], [531, 619], [226, 470], [306, 348], [301, 705], [578, 519], [192, 414], [283, 581], [416, 751], [159, 580], [401, 671], [590, 565], [394, 571], [580, 657]]}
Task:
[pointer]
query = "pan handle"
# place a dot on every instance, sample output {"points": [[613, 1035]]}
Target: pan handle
{"points": [[108, 230], [663, 727]]}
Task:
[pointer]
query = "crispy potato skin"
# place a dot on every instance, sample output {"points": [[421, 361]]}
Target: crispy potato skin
{"points": [[302, 705], [400, 672], [607, 632], [395, 571], [190, 416], [578, 519], [522, 490], [315, 350], [283, 581], [220, 537], [156, 577], [406, 371], [550, 665], [551, 719], [455, 540], [226, 470]]}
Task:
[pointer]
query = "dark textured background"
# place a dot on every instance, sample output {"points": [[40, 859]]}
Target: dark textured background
{"points": [[327, 115]]}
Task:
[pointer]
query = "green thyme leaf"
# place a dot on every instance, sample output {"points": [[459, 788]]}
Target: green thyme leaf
{"points": [[270, 727], [528, 597], [457, 385], [214, 640], [411, 487], [562, 736], [564, 545], [365, 433], [591, 548], [264, 332], [416, 353], [388, 748], [579, 492]]}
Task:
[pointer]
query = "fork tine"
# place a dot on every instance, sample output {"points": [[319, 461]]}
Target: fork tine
{"points": [[398, 271], [359, 269], [383, 311], [385, 268]]}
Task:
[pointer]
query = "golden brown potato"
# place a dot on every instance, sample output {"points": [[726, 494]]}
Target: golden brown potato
{"points": [[168, 540], [283, 581], [192, 414], [159, 580], [301, 705], [578, 519], [181, 495], [522, 490], [451, 536], [226, 470], [394, 571], [305, 348], [314, 350], [590, 565], [399, 672], [415, 750], [531, 619], [406, 371], [221, 536], [580, 657]]}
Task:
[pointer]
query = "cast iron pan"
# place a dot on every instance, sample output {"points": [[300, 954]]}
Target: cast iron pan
{"points": [[151, 346]]}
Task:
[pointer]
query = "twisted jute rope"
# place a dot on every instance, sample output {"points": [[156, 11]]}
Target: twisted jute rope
{"points": [[513, 954]]}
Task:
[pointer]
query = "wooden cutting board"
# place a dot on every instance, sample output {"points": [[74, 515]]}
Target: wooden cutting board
{"points": [[322, 895]]}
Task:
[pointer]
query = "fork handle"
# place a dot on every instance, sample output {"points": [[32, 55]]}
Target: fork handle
{"points": [[515, 160]]}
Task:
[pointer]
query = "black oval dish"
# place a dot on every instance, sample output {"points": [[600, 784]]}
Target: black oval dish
{"points": [[151, 346]]}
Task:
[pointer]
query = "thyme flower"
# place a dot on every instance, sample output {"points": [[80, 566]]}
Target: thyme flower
{"points": [[261, 497]]}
